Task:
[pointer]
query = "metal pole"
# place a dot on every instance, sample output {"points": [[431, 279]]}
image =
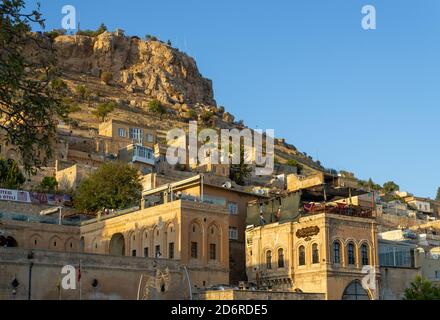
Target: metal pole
{"points": [[201, 186], [189, 282], [30, 280], [139, 286]]}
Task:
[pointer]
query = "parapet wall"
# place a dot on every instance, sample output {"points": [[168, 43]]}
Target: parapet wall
{"points": [[117, 278], [231, 294]]}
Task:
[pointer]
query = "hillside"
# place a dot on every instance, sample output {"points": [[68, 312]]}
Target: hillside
{"points": [[131, 72]]}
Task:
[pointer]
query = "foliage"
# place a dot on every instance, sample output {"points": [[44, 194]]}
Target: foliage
{"points": [[149, 37], [10, 175], [114, 185], [390, 186], [92, 33], [106, 77], [206, 116], [29, 106], [239, 172], [59, 84], [49, 184], [370, 184], [55, 33], [392, 197], [82, 92], [192, 114], [294, 163], [422, 289], [156, 107], [103, 110], [74, 107], [438, 194]]}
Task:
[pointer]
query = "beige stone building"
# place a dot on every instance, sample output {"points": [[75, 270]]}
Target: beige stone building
{"points": [[194, 233], [124, 133], [320, 253], [234, 200]]}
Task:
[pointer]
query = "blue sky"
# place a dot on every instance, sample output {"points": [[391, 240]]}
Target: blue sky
{"points": [[363, 101]]}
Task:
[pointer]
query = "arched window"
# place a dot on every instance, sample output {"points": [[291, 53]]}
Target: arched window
{"points": [[301, 256], [336, 252], [355, 291], [364, 254], [269, 259], [350, 254], [280, 258], [315, 253]]}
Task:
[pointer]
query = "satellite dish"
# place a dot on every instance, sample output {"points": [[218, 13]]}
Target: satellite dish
{"points": [[227, 185]]}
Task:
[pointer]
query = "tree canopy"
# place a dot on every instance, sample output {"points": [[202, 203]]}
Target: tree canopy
{"points": [[241, 171], [10, 175], [30, 105], [114, 185], [103, 110], [390, 186], [438, 194], [422, 289]]}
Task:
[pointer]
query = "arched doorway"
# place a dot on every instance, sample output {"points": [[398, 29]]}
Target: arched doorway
{"points": [[8, 242], [355, 291], [117, 245]]}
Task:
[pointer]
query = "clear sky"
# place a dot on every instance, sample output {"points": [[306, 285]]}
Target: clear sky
{"points": [[363, 101]]}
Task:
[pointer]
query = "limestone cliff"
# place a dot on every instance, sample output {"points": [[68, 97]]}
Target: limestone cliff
{"points": [[150, 67]]}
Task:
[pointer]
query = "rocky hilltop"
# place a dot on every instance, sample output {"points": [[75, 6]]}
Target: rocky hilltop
{"points": [[149, 67]]}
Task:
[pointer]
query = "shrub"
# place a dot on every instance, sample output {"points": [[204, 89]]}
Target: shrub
{"points": [[156, 107], [82, 92], [92, 33], [10, 175], [49, 184], [74, 107], [206, 116], [192, 114], [422, 289], [103, 110], [106, 77], [55, 33]]}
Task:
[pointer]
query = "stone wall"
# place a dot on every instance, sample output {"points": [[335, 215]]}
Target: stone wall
{"points": [[116, 277], [394, 281], [256, 295]]}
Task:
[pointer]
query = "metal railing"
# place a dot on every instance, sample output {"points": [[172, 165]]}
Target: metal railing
{"points": [[38, 219]]}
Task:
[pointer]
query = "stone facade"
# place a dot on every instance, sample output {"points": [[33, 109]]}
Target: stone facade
{"points": [[102, 277], [321, 253], [194, 233], [231, 294]]}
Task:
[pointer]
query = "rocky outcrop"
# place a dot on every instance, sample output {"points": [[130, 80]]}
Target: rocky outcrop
{"points": [[149, 67]]}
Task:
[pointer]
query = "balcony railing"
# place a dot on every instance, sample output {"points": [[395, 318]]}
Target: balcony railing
{"points": [[342, 209], [38, 219]]}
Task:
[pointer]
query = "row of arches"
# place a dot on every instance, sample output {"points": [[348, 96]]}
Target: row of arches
{"points": [[38, 241], [204, 242], [350, 253]]}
